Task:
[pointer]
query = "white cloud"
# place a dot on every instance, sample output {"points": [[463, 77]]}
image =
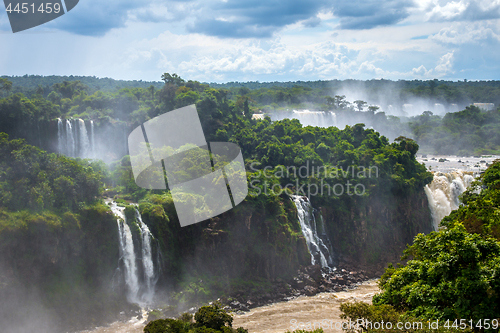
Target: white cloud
{"points": [[469, 32], [463, 10], [445, 64]]}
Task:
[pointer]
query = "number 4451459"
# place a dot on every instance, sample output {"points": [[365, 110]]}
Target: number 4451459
{"points": [[26, 8]]}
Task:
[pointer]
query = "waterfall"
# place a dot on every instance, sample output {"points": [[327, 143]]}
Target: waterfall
{"points": [[60, 138], [73, 139], [140, 288], [308, 118], [321, 254], [92, 138], [83, 140], [443, 193], [70, 139], [315, 118], [147, 259], [127, 254]]}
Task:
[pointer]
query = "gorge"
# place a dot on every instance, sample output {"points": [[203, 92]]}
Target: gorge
{"points": [[97, 248]]}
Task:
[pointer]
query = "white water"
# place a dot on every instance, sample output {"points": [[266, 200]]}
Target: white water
{"points": [[60, 138], [315, 244], [74, 140], [147, 260], [127, 254], [139, 290], [443, 194], [92, 138], [70, 139], [308, 118], [84, 139]]}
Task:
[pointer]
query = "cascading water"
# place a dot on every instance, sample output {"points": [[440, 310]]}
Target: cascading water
{"points": [[83, 139], [60, 136], [309, 118], [147, 259], [444, 193], [320, 253], [70, 139], [127, 254], [74, 140], [140, 288], [92, 138]]}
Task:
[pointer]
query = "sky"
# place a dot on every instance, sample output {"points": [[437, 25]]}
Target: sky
{"points": [[261, 40]]}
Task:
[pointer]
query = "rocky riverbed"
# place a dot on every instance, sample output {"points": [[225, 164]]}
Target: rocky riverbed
{"points": [[309, 281], [311, 288], [305, 312]]}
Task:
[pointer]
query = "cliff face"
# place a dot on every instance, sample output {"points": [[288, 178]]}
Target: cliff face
{"points": [[252, 241], [265, 242], [56, 271], [373, 232]]}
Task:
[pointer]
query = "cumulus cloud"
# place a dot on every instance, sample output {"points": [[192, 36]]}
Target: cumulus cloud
{"points": [[445, 64], [96, 18], [469, 33], [463, 10], [421, 71], [474, 45], [230, 18], [370, 14], [312, 22]]}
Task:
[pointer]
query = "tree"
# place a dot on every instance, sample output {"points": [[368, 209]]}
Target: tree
{"points": [[68, 89], [208, 319], [152, 90], [452, 274], [173, 79], [340, 102], [5, 84], [360, 104], [213, 316]]}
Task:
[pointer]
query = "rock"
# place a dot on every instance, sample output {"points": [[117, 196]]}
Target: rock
{"points": [[310, 291], [298, 284], [314, 272]]}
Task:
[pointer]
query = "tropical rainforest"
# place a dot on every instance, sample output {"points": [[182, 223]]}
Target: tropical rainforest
{"points": [[59, 240]]}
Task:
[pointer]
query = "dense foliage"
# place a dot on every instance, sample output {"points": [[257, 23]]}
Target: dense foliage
{"points": [[31, 103], [33, 179], [454, 273], [481, 211], [58, 241], [208, 319], [468, 132], [384, 318]]}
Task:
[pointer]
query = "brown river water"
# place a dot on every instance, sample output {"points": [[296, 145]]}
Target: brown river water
{"points": [[283, 316]]}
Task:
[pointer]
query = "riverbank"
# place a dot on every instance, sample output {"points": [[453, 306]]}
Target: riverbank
{"points": [[283, 316], [310, 288]]}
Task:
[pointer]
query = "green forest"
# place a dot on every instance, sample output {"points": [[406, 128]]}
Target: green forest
{"points": [[58, 235]]}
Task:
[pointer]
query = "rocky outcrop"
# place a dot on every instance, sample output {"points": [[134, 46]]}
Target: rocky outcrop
{"points": [[374, 232]]}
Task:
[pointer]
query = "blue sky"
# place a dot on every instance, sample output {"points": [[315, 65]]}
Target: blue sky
{"points": [[262, 40]]}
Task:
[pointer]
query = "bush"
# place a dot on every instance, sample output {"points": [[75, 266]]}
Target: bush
{"points": [[208, 319]]}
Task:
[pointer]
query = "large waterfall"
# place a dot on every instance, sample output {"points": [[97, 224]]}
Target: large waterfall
{"points": [[147, 259], [92, 138], [444, 193], [140, 290], [308, 118], [318, 242], [61, 142], [83, 139], [73, 139], [70, 139]]}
